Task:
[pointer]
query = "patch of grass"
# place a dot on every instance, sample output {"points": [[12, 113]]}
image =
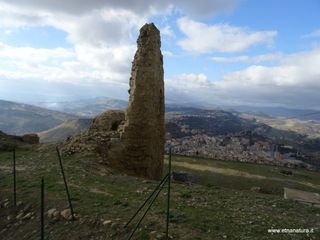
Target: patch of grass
{"points": [[273, 181], [185, 194], [143, 235], [215, 207], [209, 185]]}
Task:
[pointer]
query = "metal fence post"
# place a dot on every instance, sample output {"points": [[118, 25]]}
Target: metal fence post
{"points": [[161, 183], [42, 209], [146, 211], [65, 183], [14, 178], [157, 190], [168, 195]]}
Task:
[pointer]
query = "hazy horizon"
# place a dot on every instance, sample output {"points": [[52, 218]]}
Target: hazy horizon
{"points": [[231, 52]]}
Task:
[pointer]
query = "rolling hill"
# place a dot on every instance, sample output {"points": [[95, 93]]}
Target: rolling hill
{"points": [[19, 118], [85, 108], [62, 131], [181, 122]]}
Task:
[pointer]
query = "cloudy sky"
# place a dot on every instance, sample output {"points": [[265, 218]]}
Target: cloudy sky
{"points": [[230, 52]]}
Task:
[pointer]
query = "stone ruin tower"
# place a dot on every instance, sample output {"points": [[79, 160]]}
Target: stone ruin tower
{"points": [[132, 141], [143, 133]]}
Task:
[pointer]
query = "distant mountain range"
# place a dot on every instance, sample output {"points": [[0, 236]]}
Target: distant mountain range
{"points": [[94, 106], [85, 108], [55, 121], [273, 112], [19, 118]]}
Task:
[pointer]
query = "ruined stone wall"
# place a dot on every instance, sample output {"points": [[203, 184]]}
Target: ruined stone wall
{"points": [[133, 142], [143, 134], [99, 137]]}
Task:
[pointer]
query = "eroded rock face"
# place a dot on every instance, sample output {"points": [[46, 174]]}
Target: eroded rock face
{"points": [[31, 138], [98, 138], [133, 141]]}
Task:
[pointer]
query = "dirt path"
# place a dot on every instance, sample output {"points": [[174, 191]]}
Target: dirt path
{"points": [[9, 169], [232, 172], [225, 171]]}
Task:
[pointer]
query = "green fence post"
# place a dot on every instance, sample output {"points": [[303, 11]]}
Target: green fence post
{"points": [[42, 210], [168, 196], [14, 178], [146, 211], [161, 183], [65, 183]]}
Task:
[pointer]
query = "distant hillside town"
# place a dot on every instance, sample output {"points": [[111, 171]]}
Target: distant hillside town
{"points": [[188, 135]]}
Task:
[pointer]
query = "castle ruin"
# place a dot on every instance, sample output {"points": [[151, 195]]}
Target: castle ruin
{"points": [[133, 141]]}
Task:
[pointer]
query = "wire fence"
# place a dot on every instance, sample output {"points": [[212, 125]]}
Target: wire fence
{"points": [[166, 181]]}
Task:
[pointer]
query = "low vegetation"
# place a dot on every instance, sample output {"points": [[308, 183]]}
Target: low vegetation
{"points": [[226, 200]]}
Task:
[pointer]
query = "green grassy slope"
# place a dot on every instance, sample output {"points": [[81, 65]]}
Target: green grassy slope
{"points": [[217, 206], [62, 131]]}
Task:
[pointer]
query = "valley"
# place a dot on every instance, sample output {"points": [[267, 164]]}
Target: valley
{"points": [[208, 132]]}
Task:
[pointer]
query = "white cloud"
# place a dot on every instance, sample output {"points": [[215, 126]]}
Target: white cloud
{"points": [[230, 59], [8, 32], [32, 54], [27, 62], [315, 33], [298, 70], [194, 80], [187, 87], [168, 31], [253, 59], [103, 34], [167, 53], [201, 38], [112, 62], [101, 28], [293, 83], [103, 43], [205, 8], [79, 66], [198, 8], [41, 90], [96, 24], [20, 16], [77, 7]]}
